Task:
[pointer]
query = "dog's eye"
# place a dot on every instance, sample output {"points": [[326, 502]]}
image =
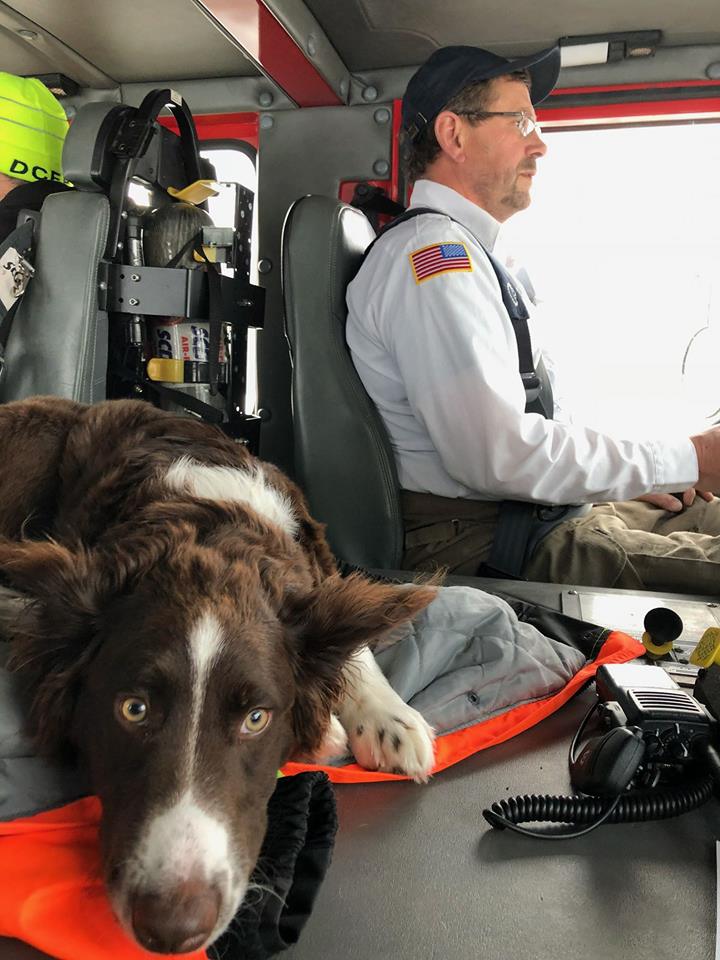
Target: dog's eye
{"points": [[255, 722], [133, 709]]}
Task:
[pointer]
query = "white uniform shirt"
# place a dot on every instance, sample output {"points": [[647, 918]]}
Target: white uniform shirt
{"points": [[439, 359]]}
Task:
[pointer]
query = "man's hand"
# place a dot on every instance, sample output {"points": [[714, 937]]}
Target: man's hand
{"points": [[675, 502], [707, 447]]}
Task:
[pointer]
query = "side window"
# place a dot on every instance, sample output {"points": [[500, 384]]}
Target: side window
{"points": [[622, 243]]}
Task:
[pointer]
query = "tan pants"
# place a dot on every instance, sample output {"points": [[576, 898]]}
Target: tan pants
{"points": [[631, 545]]}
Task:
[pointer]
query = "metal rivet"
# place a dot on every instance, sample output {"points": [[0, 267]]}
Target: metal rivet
{"points": [[102, 285], [382, 115], [312, 45], [135, 277], [712, 71], [264, 265], [133, 301], [381, 168], [370, 93], [265, 99], [27, 34], [266, 121], [264, 414]]}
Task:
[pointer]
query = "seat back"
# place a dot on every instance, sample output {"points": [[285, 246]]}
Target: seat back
{"points": [[343, 458], [58, 343]]}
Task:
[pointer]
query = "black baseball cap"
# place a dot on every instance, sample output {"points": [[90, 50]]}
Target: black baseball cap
{"points": [[449, 70]]}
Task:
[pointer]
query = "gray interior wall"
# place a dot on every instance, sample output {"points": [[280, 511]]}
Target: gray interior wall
{"points": [[307, 151]]}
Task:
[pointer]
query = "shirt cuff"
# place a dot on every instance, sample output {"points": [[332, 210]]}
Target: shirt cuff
{"points": [[676, 465]]}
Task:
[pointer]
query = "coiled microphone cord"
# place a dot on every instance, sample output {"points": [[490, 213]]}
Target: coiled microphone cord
{"points": [[657, 804]]}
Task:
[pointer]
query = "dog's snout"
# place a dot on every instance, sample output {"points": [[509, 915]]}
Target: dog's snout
{"points": [[178, 921]]}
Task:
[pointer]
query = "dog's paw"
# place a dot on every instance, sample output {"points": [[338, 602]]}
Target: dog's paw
{"points": [[334, 743], [392, 737]]}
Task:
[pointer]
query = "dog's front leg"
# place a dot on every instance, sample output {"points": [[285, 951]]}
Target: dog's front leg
{"points": [[384, 732]]}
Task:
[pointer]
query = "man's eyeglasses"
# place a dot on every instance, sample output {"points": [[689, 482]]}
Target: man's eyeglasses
{"points": [[525, 123]]}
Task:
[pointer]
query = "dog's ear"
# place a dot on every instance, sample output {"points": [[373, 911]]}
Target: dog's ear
{"points": [[52, 630], [341, 616]]}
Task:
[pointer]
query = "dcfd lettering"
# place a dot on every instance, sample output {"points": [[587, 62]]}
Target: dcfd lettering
{"points": [[38, 172]]}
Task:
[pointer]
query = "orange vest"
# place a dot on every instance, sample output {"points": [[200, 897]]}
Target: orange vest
{"points": [[53, 893]]}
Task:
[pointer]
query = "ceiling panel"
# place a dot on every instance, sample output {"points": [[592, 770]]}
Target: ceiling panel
{"points": [[19, 57], [134, 40], [371, 34]]}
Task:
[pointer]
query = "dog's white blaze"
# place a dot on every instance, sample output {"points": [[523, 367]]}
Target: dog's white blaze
{"points": [[205, 644], [240, 486], [184, 841]]}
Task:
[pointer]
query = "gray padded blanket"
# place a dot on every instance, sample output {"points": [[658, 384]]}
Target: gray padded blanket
{"points": [[467, 658]]}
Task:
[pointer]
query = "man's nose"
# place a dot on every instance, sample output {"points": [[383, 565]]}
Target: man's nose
{"points": [[536, 146]]}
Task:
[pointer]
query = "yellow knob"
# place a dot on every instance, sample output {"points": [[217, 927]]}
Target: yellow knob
{"points": [[654, 649]]}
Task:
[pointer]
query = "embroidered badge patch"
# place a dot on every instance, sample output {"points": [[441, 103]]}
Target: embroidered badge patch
{"points": [[15, 273], [439, 258]]}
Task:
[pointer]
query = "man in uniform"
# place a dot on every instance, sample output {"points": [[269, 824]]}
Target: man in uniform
{"points": [[33, 126], [440, 334]]}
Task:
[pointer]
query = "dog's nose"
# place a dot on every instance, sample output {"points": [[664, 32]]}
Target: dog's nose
{"points": [[178, 921]]}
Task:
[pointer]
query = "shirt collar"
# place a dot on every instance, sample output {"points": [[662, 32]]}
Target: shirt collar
{"points": [[428, 193]]}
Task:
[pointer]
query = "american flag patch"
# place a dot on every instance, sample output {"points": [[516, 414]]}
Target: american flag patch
{"points": [[439, 258]]}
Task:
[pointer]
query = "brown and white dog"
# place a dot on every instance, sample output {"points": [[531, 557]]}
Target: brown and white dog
{"points": [[187, 634]]}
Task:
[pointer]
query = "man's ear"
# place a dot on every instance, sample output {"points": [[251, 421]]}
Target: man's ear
{"points": [[449, 135], [52, 632], [343, 615]]}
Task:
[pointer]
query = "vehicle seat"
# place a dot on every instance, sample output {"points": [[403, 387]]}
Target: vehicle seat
{"points": [[343, 458], [59, 337]]}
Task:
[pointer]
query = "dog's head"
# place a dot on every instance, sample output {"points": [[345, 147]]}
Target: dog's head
{"points": [[183, 674]]}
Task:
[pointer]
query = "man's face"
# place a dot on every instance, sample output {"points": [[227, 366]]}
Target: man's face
{"points": [[499, 162]]}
